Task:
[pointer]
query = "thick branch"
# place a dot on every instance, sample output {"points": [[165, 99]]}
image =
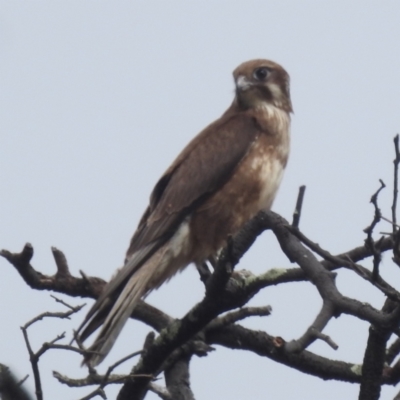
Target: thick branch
{"points": [[374, 359], [262, 344], [62, 281], [177, 379]]}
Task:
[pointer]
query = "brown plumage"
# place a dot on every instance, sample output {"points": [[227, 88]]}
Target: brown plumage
{"points": [[222, 178]]}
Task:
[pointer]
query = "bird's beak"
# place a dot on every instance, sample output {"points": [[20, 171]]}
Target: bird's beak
{"points": [[242, 83]]}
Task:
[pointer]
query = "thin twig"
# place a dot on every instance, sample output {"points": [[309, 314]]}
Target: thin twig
{"points": [[327, 339], [75, 309], [394, 224], [47, 346], [35, 367], [396, 231], [299, 206], [102, 381], [345, 261], [237, 315], [377, 255], [21, 382], [396, 163], [97, 392], [47, 314], [92, 379], [34, 357], [119, 362]]}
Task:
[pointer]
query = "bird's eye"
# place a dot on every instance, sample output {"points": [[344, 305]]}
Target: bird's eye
{"points": [[261, 73]]}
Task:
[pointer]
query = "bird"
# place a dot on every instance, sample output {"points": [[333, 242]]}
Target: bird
{"points": [[224, 176]]}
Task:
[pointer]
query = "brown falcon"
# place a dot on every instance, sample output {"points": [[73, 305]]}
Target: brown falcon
{"points": [[220, 180]]}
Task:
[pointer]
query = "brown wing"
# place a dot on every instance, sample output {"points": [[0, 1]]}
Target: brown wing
{"points": [[202, 168]]}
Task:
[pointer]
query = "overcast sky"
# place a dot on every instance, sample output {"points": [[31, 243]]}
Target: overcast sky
{"points": [[96, 100]]}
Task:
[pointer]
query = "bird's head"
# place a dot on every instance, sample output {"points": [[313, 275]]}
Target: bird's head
{"points": [[262, 82]]}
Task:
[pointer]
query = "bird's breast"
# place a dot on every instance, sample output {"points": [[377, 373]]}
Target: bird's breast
{"points": [[251, 188], [266, 169]]}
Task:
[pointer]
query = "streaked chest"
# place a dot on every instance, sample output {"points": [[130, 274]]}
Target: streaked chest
{"points": [[262, 170]]}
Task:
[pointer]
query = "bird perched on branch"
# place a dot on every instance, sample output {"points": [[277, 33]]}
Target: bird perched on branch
{"points": [[220, 180]]}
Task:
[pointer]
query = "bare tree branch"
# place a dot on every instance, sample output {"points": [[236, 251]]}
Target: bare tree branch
{"points": [[299, 205], [370, 229], [177, 379], [396, 163], [374, 359], [264, 345]]}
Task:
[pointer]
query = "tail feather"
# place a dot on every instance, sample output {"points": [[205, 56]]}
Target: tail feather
{"points": [[145, 270], [97, 321], [116, 283], [114, 317], [101, 308]]}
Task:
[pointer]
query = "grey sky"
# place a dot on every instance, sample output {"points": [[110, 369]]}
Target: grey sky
{"points": [[97, 98]]}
